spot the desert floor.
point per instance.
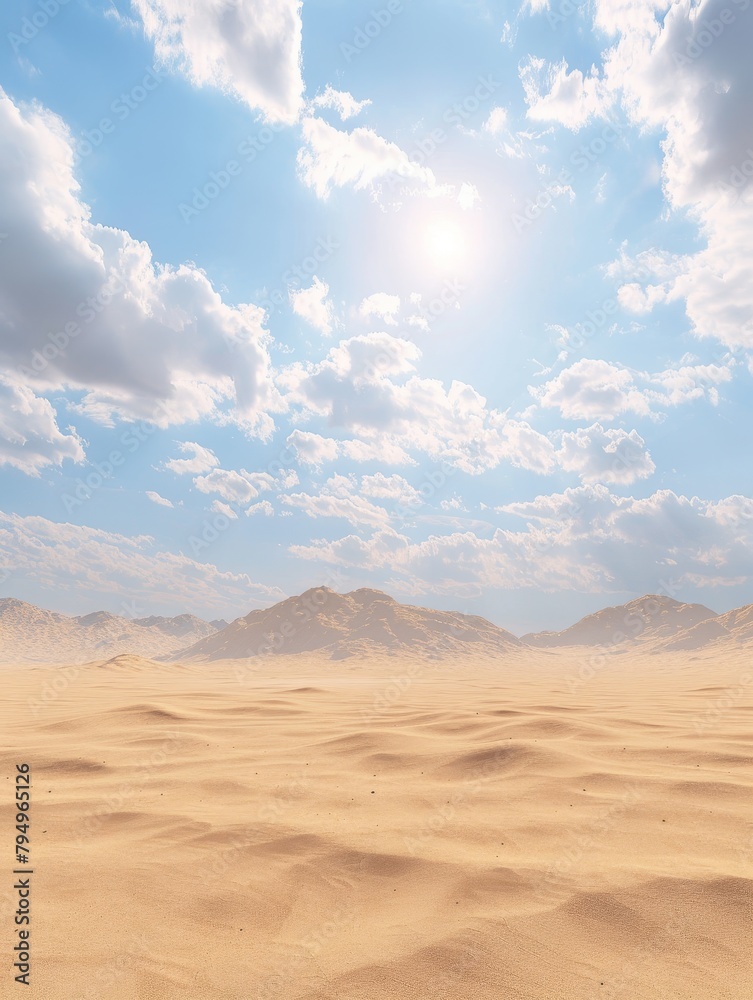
(566, 827)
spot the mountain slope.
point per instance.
(29, 634)
(645, 621)
(360, 623)
(735, 628)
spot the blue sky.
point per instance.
(452, 299)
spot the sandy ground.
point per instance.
(558, 827)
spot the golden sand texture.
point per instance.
(550, 827)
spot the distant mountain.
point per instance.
(735, 628)
(364, 622)
(645, 621)
(360, 623)
(29, 634)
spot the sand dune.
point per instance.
(347, 830)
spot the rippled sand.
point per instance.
(549, 827)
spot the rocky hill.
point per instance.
(364, 622)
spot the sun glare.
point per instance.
(445, 243)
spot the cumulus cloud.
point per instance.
(160, 500)
(264, 507)
(554, 93)
(312, 305)
(313, 449)
(250, 49)
(366, 387)
(593, 390)
(496, 120)
(383, 450)
(605, 456)
(201, 460)
(225, 509)
(682, 69)
(233, 487)
(332, 158)
(599, 390)
(120, 568)
(392, 487)
(30, 438)
(141, 341)
(585, 539)
(339, 498)
(340, 101)
(385, 307)
(240, 487)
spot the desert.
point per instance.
(512, 822)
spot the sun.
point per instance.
(445, 242)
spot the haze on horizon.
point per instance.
(337, 303)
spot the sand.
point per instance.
(553, 826)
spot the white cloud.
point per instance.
(202, 460)
(361, 388)
(356, 388)
(338, 499)
(600, 390)
(313, 449)
(585, 539)
(340, 101)
(468, 196)
(496, 121)
(605, 456)
(225, 509)
(392, 487)
(312, 305)
(554, 93)
(240, 487)
(385, 307)
(264, 507)
(234, 487)
(361, 158)
(682, 69)
(121, 568)
(156, 498)
(248, 48)
(30, 438)
(142, 341)
(593, 390)
(382, 450)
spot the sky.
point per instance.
(449, 298)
